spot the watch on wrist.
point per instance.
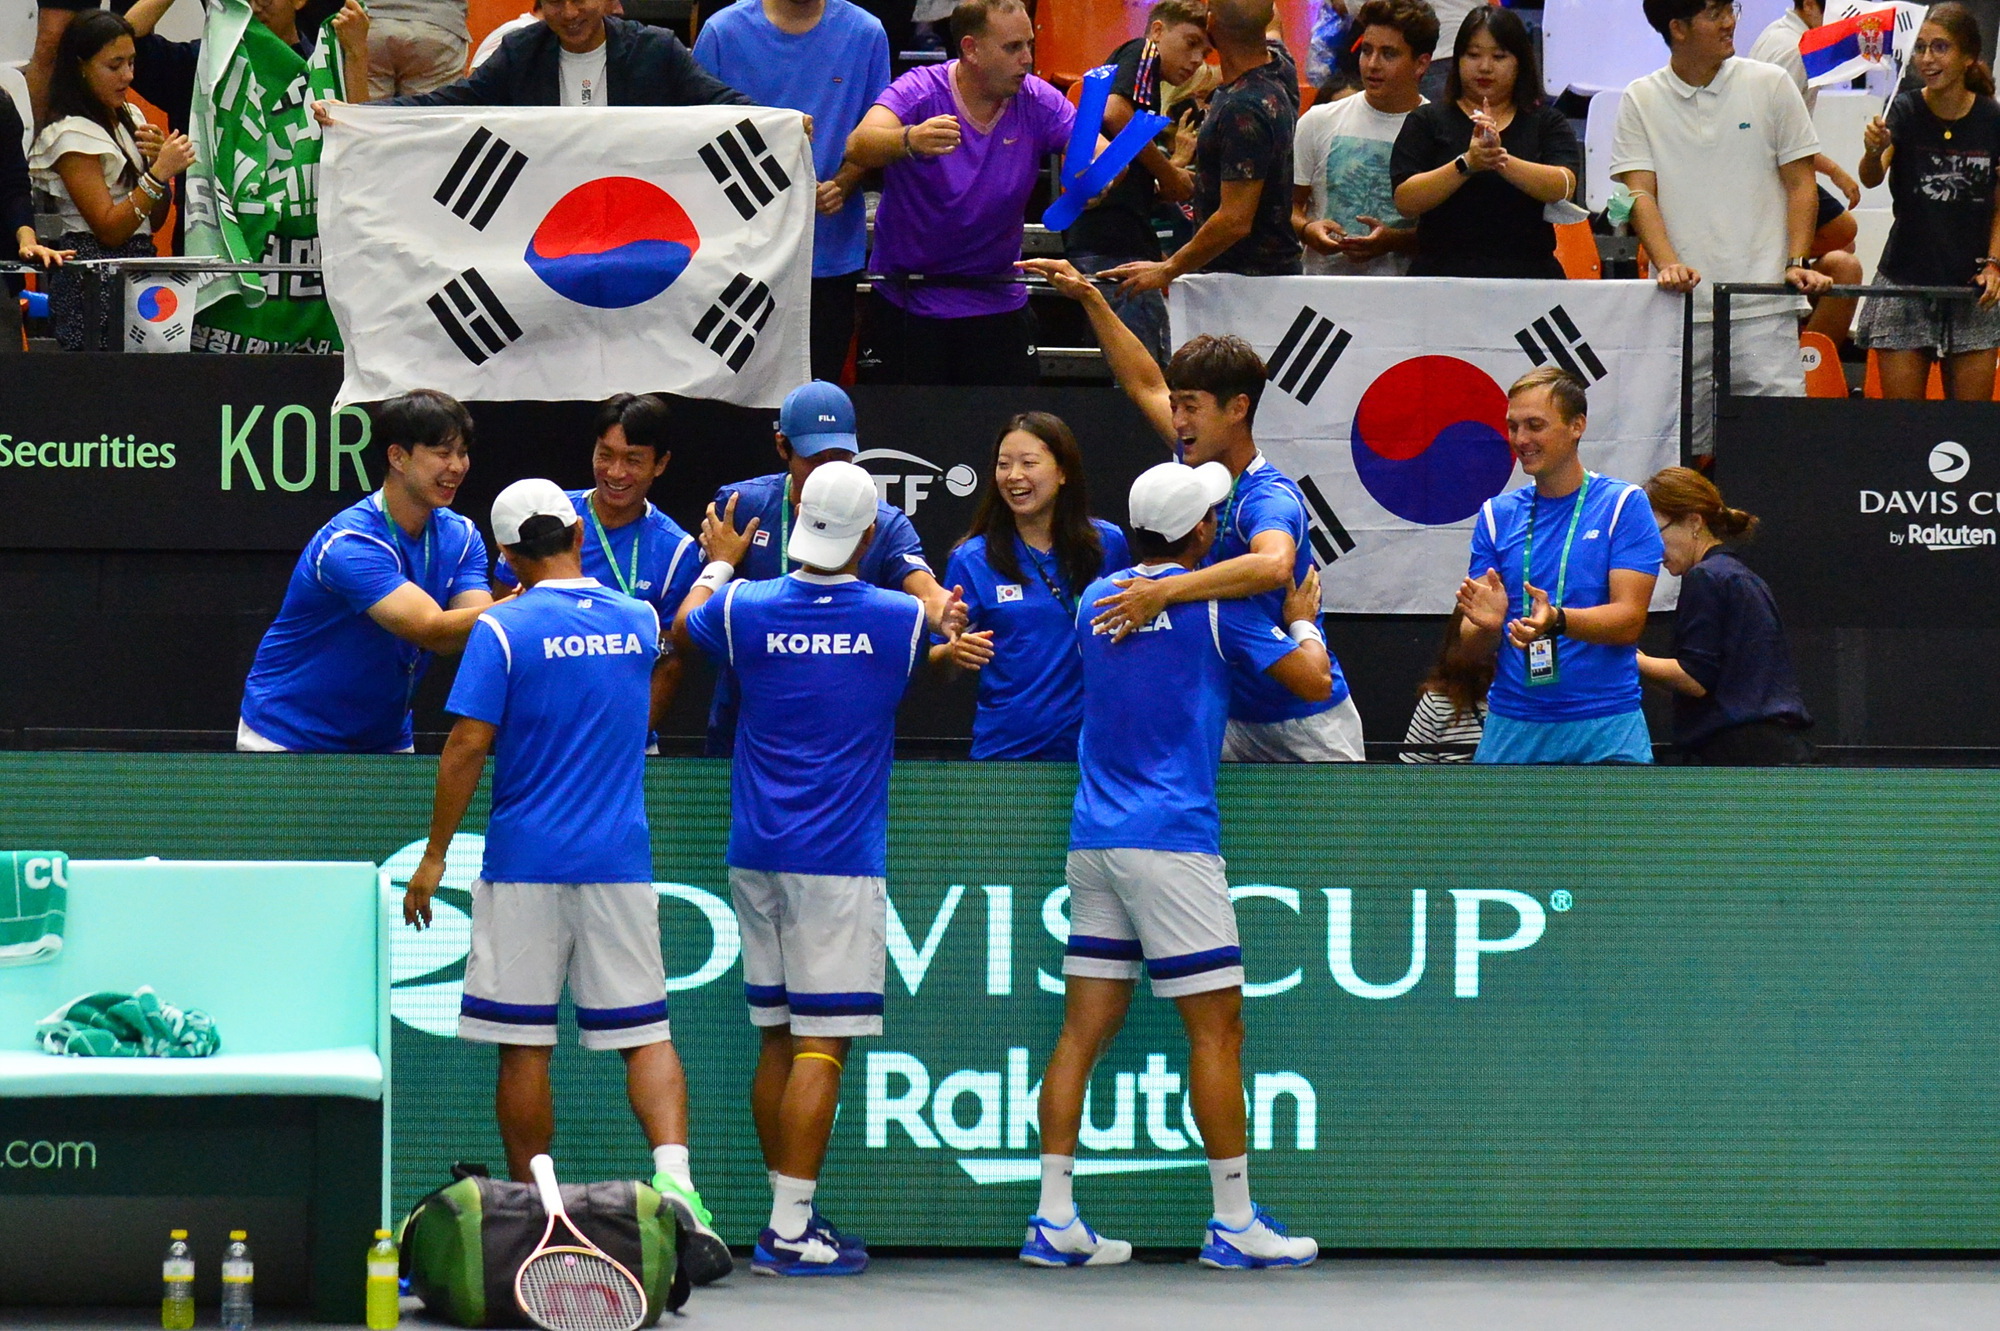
(1464, 167)
(1561, 627)
(1799, 261)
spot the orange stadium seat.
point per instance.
(1821, 362)
(1576, 250)
(1873, 385)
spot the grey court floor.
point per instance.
(1378, 1295)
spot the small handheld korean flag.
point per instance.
(159, 310)
(557, 254)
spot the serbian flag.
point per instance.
(1844, 50)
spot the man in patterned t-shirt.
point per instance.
(1243, 160)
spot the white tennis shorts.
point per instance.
(528, 938)
(1169, 909)
(814, 950)
(1332, 736)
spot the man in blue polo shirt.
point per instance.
(380, 588)
(823, 659)
(627, 542)
(1561, 575)
(556, 683)
(1205, 407)
(816, 427)
(829, 59)
(1145, 868)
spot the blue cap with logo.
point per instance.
(818, 416)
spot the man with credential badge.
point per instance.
(1566, 687)
(628, 543)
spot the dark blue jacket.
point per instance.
(1728, 637)
(643, 66)
(17, 203)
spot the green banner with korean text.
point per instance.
(1535, 1008)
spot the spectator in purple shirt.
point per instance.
(960, 145)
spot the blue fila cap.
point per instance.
(818, 416)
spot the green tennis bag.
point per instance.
(462, 1245)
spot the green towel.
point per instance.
(34, 901)
(136, 1025)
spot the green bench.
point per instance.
(283, 1133)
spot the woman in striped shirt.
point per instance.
(1451, 705)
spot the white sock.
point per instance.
(1058, 1205)
(672, 1160)
(1231, 1181)
(791, 1204)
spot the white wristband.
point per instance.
(717, 575)
(1301, 629)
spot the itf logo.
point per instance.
(613, 243)
(1430, 440)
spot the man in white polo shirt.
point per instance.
(1718, 153)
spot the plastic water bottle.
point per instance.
(177, 1272)
(384, 1284)
(237, 1274)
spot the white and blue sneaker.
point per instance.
(844, 1242)
(1074, 1244)
(813, 1253)
(1260, 1244)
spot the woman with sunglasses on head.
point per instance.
(1736, 699)
(1938, 149)
(1032, 550)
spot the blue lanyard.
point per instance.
(1058, 589)
(1528, 549)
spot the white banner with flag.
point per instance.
(1388, 405)
(549, 254)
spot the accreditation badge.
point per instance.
(1542, 661)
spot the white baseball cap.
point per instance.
(529, 499)
(1171, 499)
(836, 507)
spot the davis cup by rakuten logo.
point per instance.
(1949, 463)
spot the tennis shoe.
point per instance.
(703, 1254)
(1261, 1244)
(1074, 1244)
(844, 1242)
(813, 1253)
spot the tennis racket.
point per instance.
(571, 1285)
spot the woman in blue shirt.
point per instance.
(1736, 700)
(1032, 549)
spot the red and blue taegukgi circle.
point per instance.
(157, 304)
(613, 243)
(1430, 440)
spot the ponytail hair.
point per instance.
(1962, 27)
(1679, 491)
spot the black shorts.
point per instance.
(1830, 206)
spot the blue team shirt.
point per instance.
(327, 678)
(666, 563)
(1616, 531)
(1154, 710)
(1031, 692)
(823, 663)
(892, 556)
(833, 73)
(564, 670)
(1265, 499)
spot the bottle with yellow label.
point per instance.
(177, 1273)
(384, 1284)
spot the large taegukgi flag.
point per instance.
(550, 254)
(1388, 404)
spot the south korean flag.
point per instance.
(549, 254)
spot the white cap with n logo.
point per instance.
(836, 508)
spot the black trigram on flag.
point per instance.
(1554, 337)
(731, 325)
(1306, 354)
(745, 168)
(478, 181)
(473, 317)
(1329, 538)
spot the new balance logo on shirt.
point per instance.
(818, 644)
(591, 644)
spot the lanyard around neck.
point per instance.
(784, 525)
(625, 584)
(396, 544)
(1057, 588)
(1528, 549)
